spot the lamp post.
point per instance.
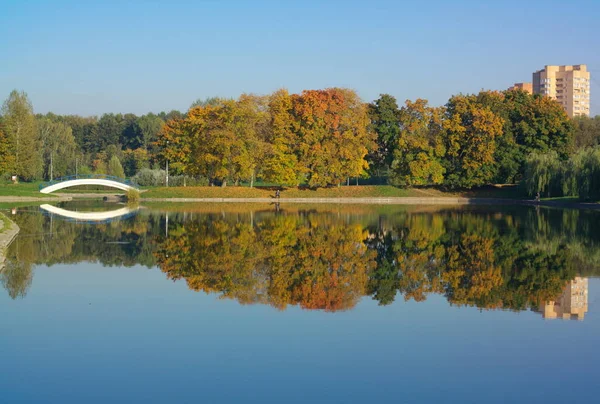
(167, 181)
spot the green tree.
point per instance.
(588, 174)
(148, 127)
(57, 147)
(542, 174)
(20, 128)
(106, 132)
(7, 158)
(385, 122)
(587, 131)
(115, 168)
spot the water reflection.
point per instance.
(571, 304)
(90, 217)
(490, 258)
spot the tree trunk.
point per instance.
(224, 184)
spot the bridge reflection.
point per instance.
(90, 217)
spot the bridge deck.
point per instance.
(95, 179)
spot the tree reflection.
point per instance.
(516, 259)
(319, 261)
(283, 260)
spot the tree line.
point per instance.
(316, 138)
(35, 146)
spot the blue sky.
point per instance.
(90, 58)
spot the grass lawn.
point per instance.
(362, 191)
(23, 189)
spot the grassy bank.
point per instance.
(30, 189)
(362, 191)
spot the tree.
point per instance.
(83, 129)
(135, 160)
(542, 174)
(281, 162)
(209, 101)
(7, 158)
(333, 135)
(586, 131)
(588, 174)
(20, 129)
(106, 132)
(384, 116)
(419, 150)
(469, 136)
(174, 144)
(148, 127)
(115, 168)
(57, 147)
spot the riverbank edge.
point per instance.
(386, 201)
(7, 234)
(400, 200)
(34, 199)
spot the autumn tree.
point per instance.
(419, 149)
(226, 139)
(469, 137)
(174, 144)
(333, 135)
(280, 164)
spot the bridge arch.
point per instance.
(91, 217)
(97, 179)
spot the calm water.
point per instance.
(262, 304)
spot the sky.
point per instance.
(90, 58)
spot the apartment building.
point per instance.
(569, 85)
(527, 87)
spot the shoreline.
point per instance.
(408, 200)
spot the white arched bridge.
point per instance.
(88, 179)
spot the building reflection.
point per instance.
(571, 304)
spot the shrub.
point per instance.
(150, 178)
(156, 178)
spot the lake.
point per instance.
(302, 303)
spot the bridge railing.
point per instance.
(89, 176)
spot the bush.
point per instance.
(133, 196)
(156, 178)
(150, 178)
(181, 180)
